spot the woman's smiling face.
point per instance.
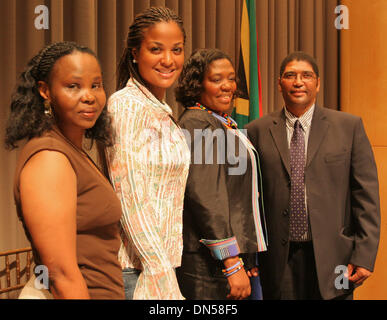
(219, 86)
(160, 58)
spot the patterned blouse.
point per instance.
(148, 165)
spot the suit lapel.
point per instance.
(318, 130)
(278, 132)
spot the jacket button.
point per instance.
(284, 241)
(286, 212)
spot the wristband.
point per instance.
(232, 272)
(233, 269)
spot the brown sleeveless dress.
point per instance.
(98, 215)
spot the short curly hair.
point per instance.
(190, 87)
(27, 119)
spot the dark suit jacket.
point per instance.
(342, 196)
(217, 205)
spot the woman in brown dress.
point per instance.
(68, 208)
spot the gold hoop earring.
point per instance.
(47, 108)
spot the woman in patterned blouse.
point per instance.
(149, 161)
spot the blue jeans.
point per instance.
(130, 276)
(256, 289)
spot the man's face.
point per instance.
(299, 85)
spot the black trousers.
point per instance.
(300, 277)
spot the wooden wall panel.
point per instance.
(363, 88)
(375, 287)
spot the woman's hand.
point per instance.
(239, 282)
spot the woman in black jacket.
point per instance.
(222, 228)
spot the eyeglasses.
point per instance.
(306, 76)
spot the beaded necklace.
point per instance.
(222, 116)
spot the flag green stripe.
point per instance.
(251, 67)
(241, 120)
(254, 85)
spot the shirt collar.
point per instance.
(305, 119)
(163, 105)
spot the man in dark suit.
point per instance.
(320, 191)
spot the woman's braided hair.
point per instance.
(143, 21)
(27, 119)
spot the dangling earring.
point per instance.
(47, 108)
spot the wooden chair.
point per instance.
(12, 261)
